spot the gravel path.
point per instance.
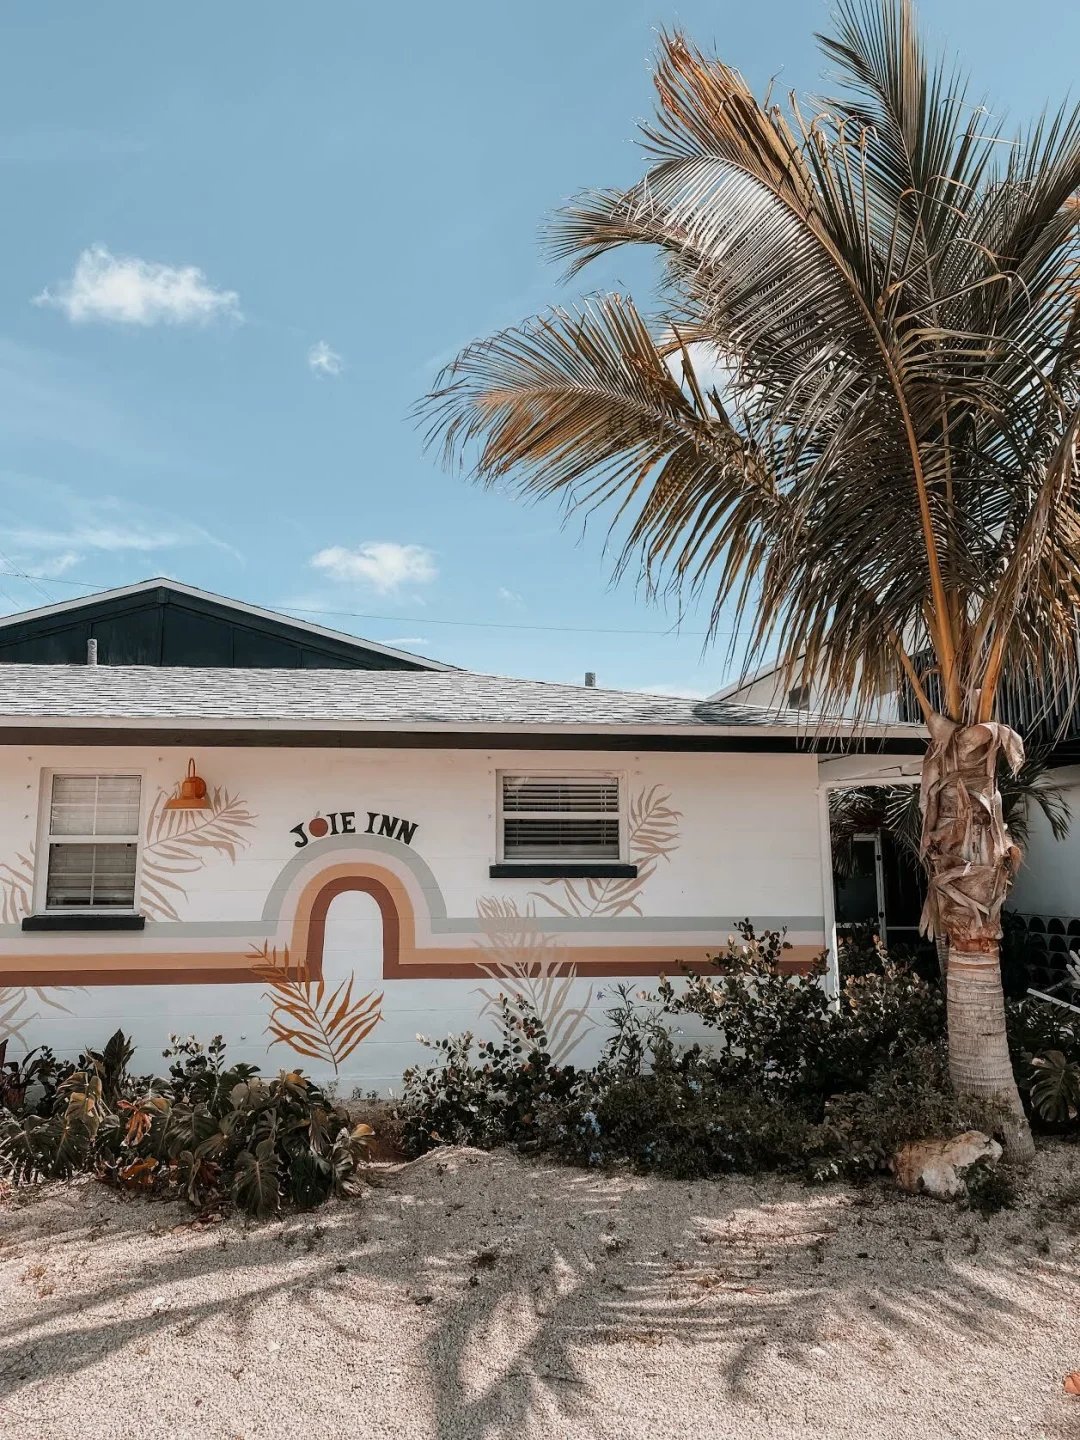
(470, 1295)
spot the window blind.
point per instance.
(93, 842)
(561, 818)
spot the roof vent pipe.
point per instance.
(91, 652)
(590, 679)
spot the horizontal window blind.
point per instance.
(93, 842)
(560, 818)
(94, 805)
(85, 877)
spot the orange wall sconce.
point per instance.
(190, 792)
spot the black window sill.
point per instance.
(58, 920)
(563, 870)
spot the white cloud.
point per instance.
(58, 528)
(130, 291)
(323, 360)
(408, 640)
(54, 564)
(509, 597)
(383, 564)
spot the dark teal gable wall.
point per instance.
(164, 627)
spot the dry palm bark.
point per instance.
(971, 860)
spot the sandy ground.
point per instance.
(470, 1295)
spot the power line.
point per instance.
(423, 620)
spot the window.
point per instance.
(561, 818)
(799, 698)
(93, 842)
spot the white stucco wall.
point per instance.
(770, 692)
(744, 840)
(1049, 879)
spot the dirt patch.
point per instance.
(469, 1295)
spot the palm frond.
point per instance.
(526, 965)
(17, 887)
(180, 842)
(652, 836)
(321, 1024)
(890, 466)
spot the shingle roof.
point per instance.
(368, 698)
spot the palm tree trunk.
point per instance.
(979, 1061)
(970, 861)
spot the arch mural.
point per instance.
(420, 941)
(238, 908)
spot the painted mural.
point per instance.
(527, 962)
(339, 938)
(179, 843)
(320, 1024)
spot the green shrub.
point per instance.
(790, 1083)
(990, 1188)
(908, 1099)
(213, 1133)
(486, 1093)
(780, 1032)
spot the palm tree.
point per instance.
(852, 423)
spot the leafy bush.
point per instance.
(781, 1032)
(908, 1099)
(790, 1083)
(490, 1097)
(989, 1188)
(211, 1132)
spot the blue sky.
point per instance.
(242, 238)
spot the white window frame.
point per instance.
(44, 836)
(562, 773)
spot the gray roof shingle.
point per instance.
(362, 698)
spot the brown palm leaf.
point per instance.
(321, 1026)
(526, 965)
(653, 825)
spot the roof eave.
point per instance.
(827, 730)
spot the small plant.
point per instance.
(213, 1133)
(1054, 1086)
(781, 1032)
(989, 1188)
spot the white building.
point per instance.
(320, 864)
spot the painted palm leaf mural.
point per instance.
(527, 966)
(653, 835)
(321, 1024)
(18, 1009)
(17, 887)
(180, 842)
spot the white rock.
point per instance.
(938, 1167)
